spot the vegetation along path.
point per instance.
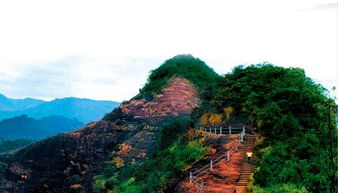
(227, 174)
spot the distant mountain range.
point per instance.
(23, 127)
(84, 110)
(7, 104)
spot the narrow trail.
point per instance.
(228, 175)
(246, 171)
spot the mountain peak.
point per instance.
(185, 66)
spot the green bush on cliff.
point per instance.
(171, 131)
(186, 66)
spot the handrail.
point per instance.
(195, 174)
(221, 130)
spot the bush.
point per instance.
(170, 131)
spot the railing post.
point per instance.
(229, 130)
(228, 156)
(190, 177)
(211, 165)
(215, 130)
(243, 130)
(221, 130)
(241, 138)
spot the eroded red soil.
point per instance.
(223, 177)
(178, 98)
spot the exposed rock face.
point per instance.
(68, 162)
(178, 98)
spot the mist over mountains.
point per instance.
(84, 110)
(8, 104)
(23, 127)
(36, 119)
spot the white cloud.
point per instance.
(110, 46)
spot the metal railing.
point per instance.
(214, 162)
(222, 130)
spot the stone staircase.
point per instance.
(246, 167)
(245, 174)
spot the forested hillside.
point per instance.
(295, 118)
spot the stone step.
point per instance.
(241, 184)
(243, 179)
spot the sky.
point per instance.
(105, 50)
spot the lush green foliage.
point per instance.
(11, 145)
(295, 116)
(178, 151)
(186, 66)
(281, 188)
(171, 131)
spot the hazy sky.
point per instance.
(105, 49)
